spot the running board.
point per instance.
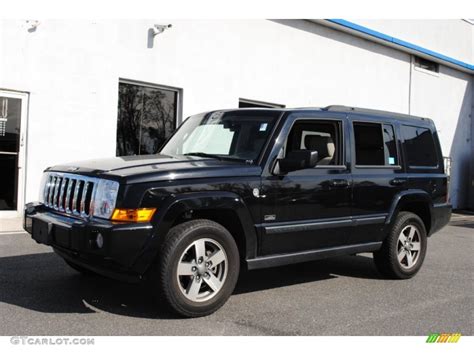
(309, 255)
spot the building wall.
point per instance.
(453, 38)
(471, 185)
(72, 68)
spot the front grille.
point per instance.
(70, 193)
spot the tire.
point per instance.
(197, 268)
(397, 260)
(80, 269)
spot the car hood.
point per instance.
(147, 168)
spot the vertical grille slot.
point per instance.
(69, 193)
(62, 191)
(57, 184)
(51, 191)
(83, 197)
(47, 190)
(76, 200)
(88, 199)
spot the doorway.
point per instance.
(13, 113)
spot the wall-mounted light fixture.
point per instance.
(32, 25)
(155, 31)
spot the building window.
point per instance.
(147, 116)
(375, 144)
(426, 64)
(245, 103)
(419, 146)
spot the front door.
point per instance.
(13, 110)
(307, 209)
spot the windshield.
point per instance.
(236, 135)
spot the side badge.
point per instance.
(269, 217)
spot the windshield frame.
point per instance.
(278, 114)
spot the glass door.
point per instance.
(12, 147)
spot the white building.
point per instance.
(60, 83)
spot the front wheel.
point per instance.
(404, 250)
(198, 267)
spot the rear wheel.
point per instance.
(403, 251)
(198, 267)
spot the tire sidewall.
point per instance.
(409, 219)
(225, 239)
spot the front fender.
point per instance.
(174, 206)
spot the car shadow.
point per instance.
(44, 283)
(358, 266)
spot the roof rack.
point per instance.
(370, 111)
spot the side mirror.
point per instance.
(298, 160)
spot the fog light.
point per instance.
(99, 241)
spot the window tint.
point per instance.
(419, 146)
(146, 118)
(322, 136)
(375, 144)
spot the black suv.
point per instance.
(249, 188)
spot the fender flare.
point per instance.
(411, 195)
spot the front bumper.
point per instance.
(76, 240)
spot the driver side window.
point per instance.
(320, 136)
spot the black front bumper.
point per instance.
(75, 239)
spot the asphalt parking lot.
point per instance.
(41, 295)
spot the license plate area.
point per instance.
(48, 233)
(41, 231)
(62, 236)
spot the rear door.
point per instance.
(377, 175)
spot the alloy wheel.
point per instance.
(202, 270)
(408, 246)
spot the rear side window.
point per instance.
(419, 146)
(375, 144)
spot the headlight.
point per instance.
(105, 198)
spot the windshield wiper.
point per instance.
(216, 156)
(205, 155)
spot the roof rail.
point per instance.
(370, 111)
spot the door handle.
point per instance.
(339, 183)
(398, 182)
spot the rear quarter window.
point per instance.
(419, 146)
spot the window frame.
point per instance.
(178, 108)
(381, 123)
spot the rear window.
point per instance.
(419, 146)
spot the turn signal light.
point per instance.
(133, 215)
